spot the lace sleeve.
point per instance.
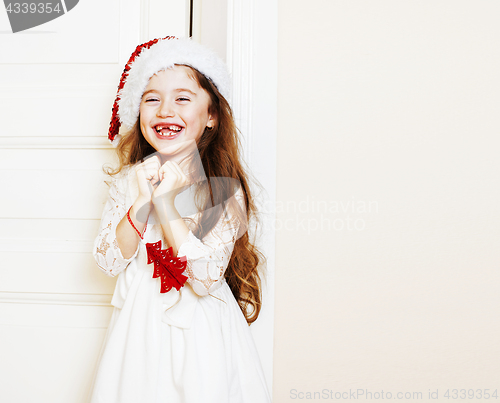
(208, 259)
(106, 252)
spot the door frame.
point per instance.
(252, 38)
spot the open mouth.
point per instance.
(168, 130)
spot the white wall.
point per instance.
(387, 109)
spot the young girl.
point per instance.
(174, 231)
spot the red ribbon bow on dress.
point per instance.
(168, 267)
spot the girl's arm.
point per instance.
(126, 236)
(106, 251)
(207, 259)
(173, 180)
(118, 242)
(174, 228)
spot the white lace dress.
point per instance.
(192, 345)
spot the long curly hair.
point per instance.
(220, 155)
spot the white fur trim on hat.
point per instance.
(160, 56)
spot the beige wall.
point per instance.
(388, 132)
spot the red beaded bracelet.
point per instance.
(132, 224)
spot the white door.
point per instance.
(57, 85)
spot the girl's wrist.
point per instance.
(142, 207)
(142, 202)
(164, 200)
(165, 208)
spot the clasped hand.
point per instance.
(160, 182)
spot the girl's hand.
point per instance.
(148, 178)
(173, 181)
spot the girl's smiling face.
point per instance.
(174, 111)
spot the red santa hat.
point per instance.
(154, 56)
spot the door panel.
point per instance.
(57, 86)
